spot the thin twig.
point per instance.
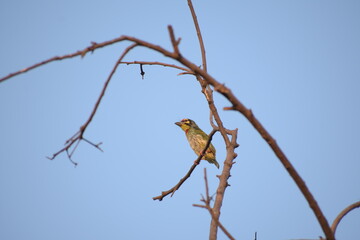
(208, 198)
(212, 121)
(188, 174)
(94, 46)
(73, 150)
(126, 51)
(160, 64)
(198, 32)
(70, 159)
(93, 144)
(80, 53)
(342, 214)
(174, 42)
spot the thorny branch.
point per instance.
(207, 201)
(188, 174)
(230, 145)
(160, 64)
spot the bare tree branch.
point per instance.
(342, 214)
(207, 201)
(78, 136)
(56, 58)
(175, 43)
(217, 221)
(192, 168)
(81, 53)
(160, 64)
(95, 46)
(230, 156)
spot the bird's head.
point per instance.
(186, 124)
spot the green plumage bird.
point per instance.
(197, 140)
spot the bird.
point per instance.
(197, 139)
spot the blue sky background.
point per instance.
(294, 63)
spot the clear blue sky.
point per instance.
(296, 64)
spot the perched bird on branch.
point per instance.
(197, 140)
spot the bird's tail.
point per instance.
(213, 161)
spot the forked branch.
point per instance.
(79, 136)
(207, 200)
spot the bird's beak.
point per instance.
(178, 123)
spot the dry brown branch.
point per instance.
(207, 201)
(188, 174)
(92, 48)
(81, 53)
(160, 64)
(78, 136)
(230, 156)
(342, 214)
(56, 58)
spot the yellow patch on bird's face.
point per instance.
(184, 124)
(185, 127)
